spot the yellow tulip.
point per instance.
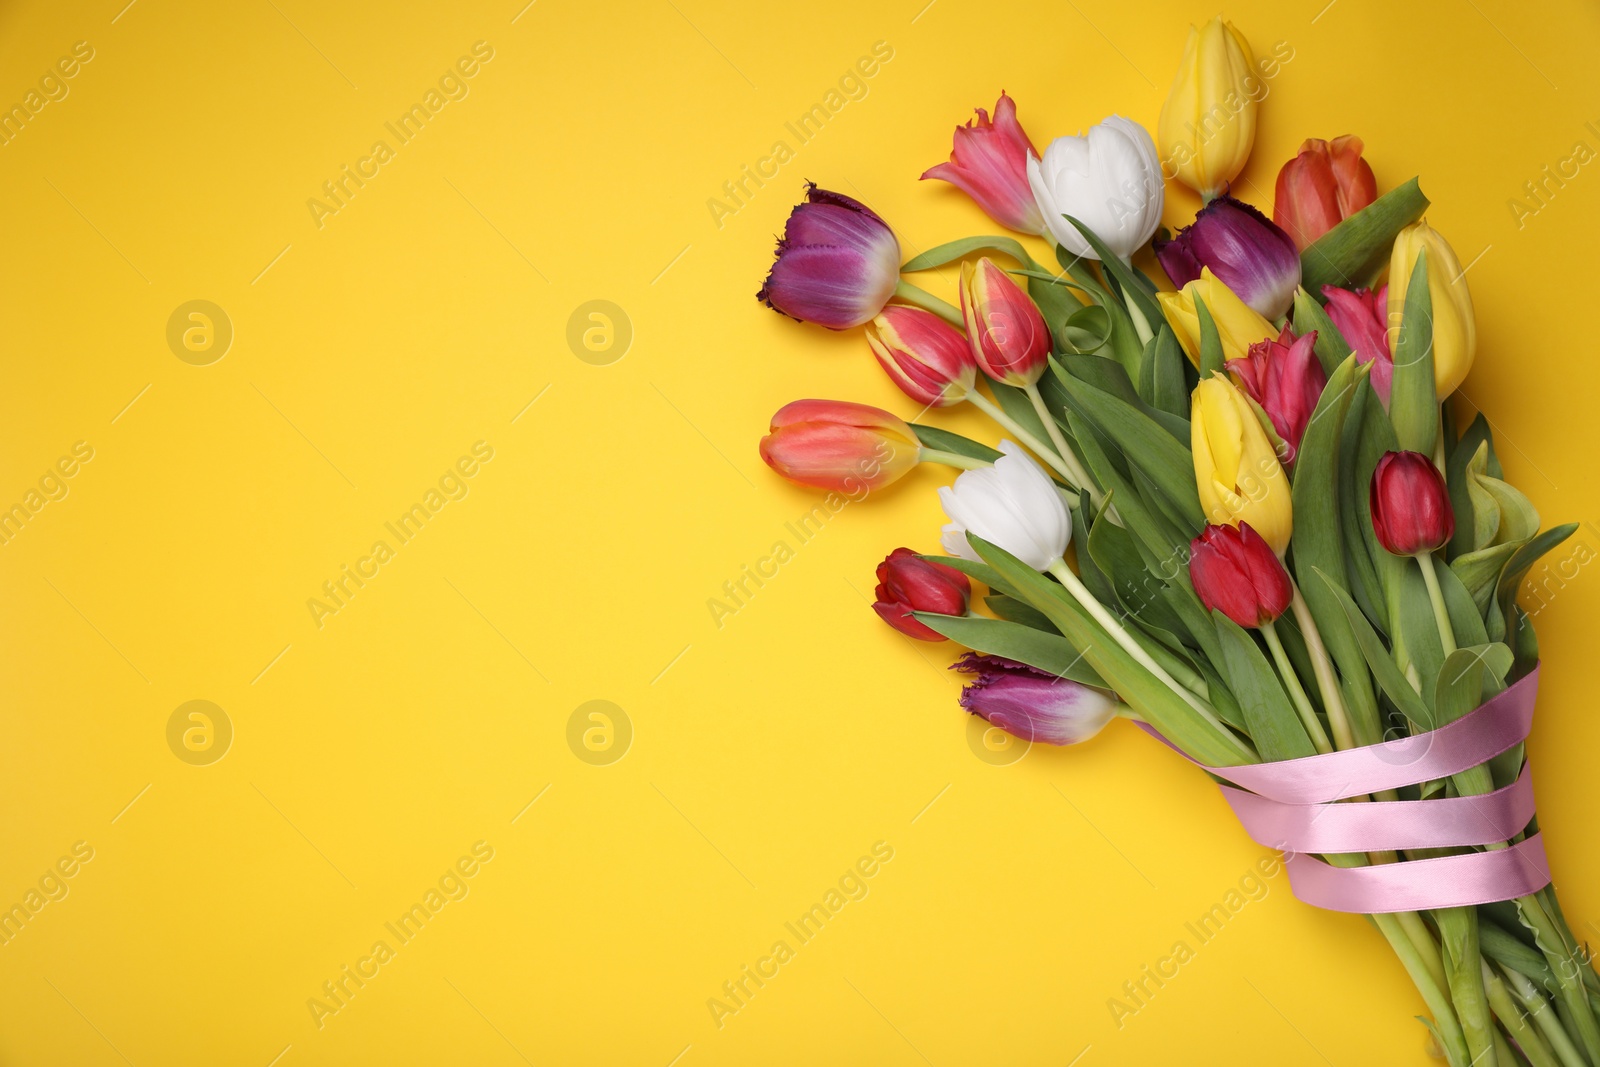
(1238, 324)
(1235, 467)
(1208, 123)
(1455, 329)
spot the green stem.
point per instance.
(1327, 679)
(1463, 969)
(1441, 614)
(1033, 444)
(1070, 458)
(1297, 693)
(920, 297)
(1549, 1023)
(1119, 634)
(1433, 995)
(1140, 324)
(952, 459)
(1562, 955)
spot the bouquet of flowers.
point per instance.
(1236, 511)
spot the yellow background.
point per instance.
(769, 753)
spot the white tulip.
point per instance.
(1013, 504)
(1109, 180)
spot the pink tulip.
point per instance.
(925, 356)
(989, 162)
(1362, 317)
(1286, 379)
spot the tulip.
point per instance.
(1286, 379)
(1362, 317)
(1235, 572)
(1238, 324)
(1007, 334)
(1321, 187)
(1208, 123)
(837, 264)
(1411, 511)
(907, 583)
(1109, 180)
(1236, 470)
(836, 445)
(1032, 704)
(1455, 329)
(989, 162)
(1247, 253)
(1012, 504)
(924, 355)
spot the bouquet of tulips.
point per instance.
(1235, 510)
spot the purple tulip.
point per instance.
(837, 264)
(1247, 252)
(1032, 704)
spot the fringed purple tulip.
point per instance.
(836, 265)
(1245, 250)
(1031, 704)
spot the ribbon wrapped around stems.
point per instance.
(1294, 806)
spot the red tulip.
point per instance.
(1008, 335)
(833, 444)
(1321, 187)
(1235, 571)
(907, 583)
(1286, 379)
(1363, 319)
(1411, 511)
(989, 162)
(925, 356)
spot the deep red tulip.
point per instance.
(907, 583)
(989, 162)
(1235, 572)
(1410, 505)
(1286, 379)
(1321, 187)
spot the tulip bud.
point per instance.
(1236, 470)
(836, 445)
(1247, 253)
(1321, 187)
(1007, 334)
(1235, 572)
(1362, 317)
(1410, 505)
(1208, 123)
(1032, 704)
(1012, 504)
(1238, 324)
(907, 583)
(925, 356)
(1455, 329)
(1108, 179)
(1286, 379)
(989, 162)
(837, 264)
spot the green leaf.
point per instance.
(1354, 253)
(1413, 405)
(1415, 629)
(1110, 377)
(1127, 278)
(1211, 356)
(1158, 705)
(1269, 718)
(1049, 652)
(1524, 559)
(945, 441)
(1116, 554)
(1479, 573)
(1377, 437)
(1362, 576)
(1331, 347)
(1171, 392)
(1015, 403)
(954, 250)
(1466, 618)
(1389, 678)
(1318, 543)
(1166, 461)
(1457, 689)
(1019, 611)
(1087, 330)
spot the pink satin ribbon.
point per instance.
(1292, 805)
